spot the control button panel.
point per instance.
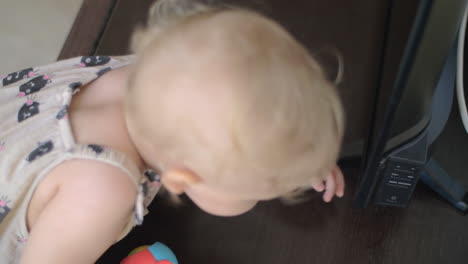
(397, 184)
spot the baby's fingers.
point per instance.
(340, 182)
(319, 187)
(330, 188)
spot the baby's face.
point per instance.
(223, 194)
(217, 201)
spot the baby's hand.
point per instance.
(333, 184)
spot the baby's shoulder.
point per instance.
(96, 176)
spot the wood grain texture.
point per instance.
(126, 16)
(87, 29)
(429, 231)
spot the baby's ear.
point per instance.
(142, 37)
(177, 180)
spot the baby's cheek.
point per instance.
(233, 209)
(216, 204)
(245, 207)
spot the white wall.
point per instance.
(32, 32)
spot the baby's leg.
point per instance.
(93, 203)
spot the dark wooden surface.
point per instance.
(429, 231)
(89, 25)
(127, 15)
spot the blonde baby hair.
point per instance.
(287, 124)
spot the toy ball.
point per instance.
(158, 253)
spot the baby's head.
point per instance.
(231, 109)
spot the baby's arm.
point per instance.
(89, 210)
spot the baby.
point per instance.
(223, 104)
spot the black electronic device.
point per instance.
(415, 112)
